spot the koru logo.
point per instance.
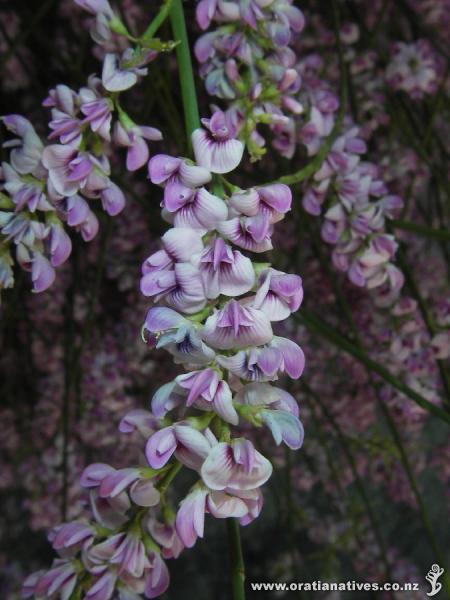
(432, 577)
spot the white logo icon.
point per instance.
(432, 577)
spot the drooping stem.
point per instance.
(422, 230)
(237, 565)
(192, 121)
(188, 93)
(158, 20)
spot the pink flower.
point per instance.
(138, 420)
(181, 288)
(122, 73)
(97, 112)
(250, 233)
(125, 550)
(266, 363)
(191, 446)
(26, 153)
(163, 169)
(68, 169)
(214, 148)
(208, 392)
(70, 537)
(157, 579)
(165, 534)
(61, 579)
(60, 245)
(24, 193)
(235, 466)
(236, 326)
(42, 273)
(190, 520)
(197, 209)
(225, 271)
(113, 199)
(279, 294)
(102, 588)
(180, 244)
(273, 201)
(134, 138)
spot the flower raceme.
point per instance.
(215, 312)
(46, 189)
(248, 62)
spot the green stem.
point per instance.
(430, 232)
(157, 21)
(169, 477)
(189, 95)
(316, 324)
(237, 565)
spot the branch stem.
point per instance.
(236, 559)
(187, 83)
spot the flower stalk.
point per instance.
(189, 95)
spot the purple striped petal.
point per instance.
(225, 271)
(222, 470)
(224, 506)
(250, 233)
(214, 155)
(236, 326)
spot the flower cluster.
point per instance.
(351, 190)
(414, 68)
(355, 203)
(214, 316)
(247, 62)
(50, 187)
